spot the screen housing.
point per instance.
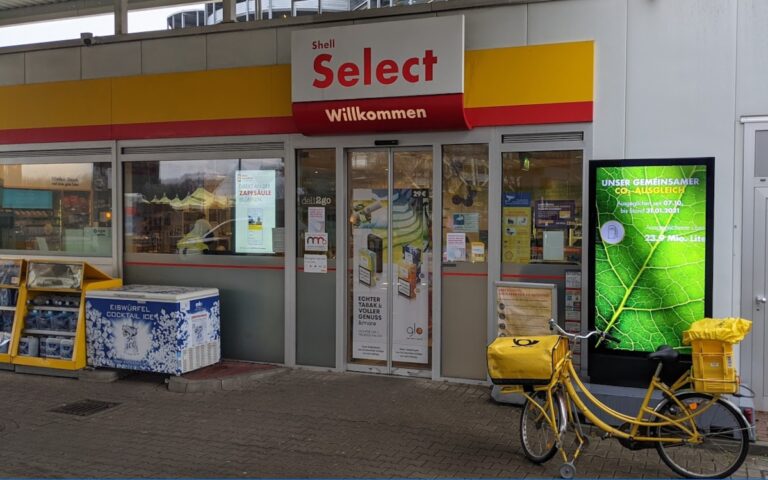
(627, 368)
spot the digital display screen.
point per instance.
(255, 205)
(651, 227)
(29, 199)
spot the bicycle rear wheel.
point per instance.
(724, 443)
(536, 435)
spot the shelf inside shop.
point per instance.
(7, 309)
(59, 333)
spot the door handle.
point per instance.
(760, 299)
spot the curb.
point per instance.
(758, 448)
(236, 382)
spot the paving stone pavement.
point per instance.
(297, 423)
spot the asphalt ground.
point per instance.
(288, 423)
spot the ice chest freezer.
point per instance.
(153, 328)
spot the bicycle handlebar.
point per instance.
(603, 335)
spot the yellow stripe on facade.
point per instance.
(252, 92)
(60, 104)
(530, 75)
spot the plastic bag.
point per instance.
(729, 330)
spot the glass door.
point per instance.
(390, 251)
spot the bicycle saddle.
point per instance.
(664, 353)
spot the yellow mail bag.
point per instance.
(525, 360)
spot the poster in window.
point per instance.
(411, 257)
(255, 211)
(370, 222)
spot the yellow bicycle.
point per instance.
(698, 435)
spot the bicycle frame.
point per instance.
(565, 377)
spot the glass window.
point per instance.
(211, 207)
(316, 197)
(62, 207)
(465, 203)
(541, 207)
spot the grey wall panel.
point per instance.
(252, 306)
(112, 60)
(493, 27)
(603, 21)
(241, 49)
(12, 69)
(316, 319)
(53, 65)
(464, 329)
(181, 54)
(681, 100)
(752, 75)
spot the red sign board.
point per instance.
(398, 114)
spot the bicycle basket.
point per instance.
(712, 343)
(525, 360)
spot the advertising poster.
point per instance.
(650, 224)
(524, 309)
(411, 258)
(370, 271)
(315, 263)
(466, 222)
(516, 235)
(573, 308)
(554, 213)
(316, 219)
(411, 255)
(255, 195)
(315, 242)
(456, 247)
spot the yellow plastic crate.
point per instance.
(713, 369)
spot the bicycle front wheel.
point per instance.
(724, 436)
(538, 438)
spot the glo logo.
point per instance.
(524, 342)
(413, 330)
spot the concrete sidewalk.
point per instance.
(293, 423)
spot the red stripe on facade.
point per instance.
(530, 114)
(476, 117)
(537, 277)
(203, 128)
(56, 134)
(193, 128)
(205, 265)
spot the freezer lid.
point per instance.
(165, 293)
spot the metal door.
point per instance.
(760, 289)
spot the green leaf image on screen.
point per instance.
(650, 253)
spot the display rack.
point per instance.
(13, 293)
(49, 327)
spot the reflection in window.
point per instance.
(542, 207)
(316, 194)
(64, 207)
(210, 207)
(465, 202)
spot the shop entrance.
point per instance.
(389, 238)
